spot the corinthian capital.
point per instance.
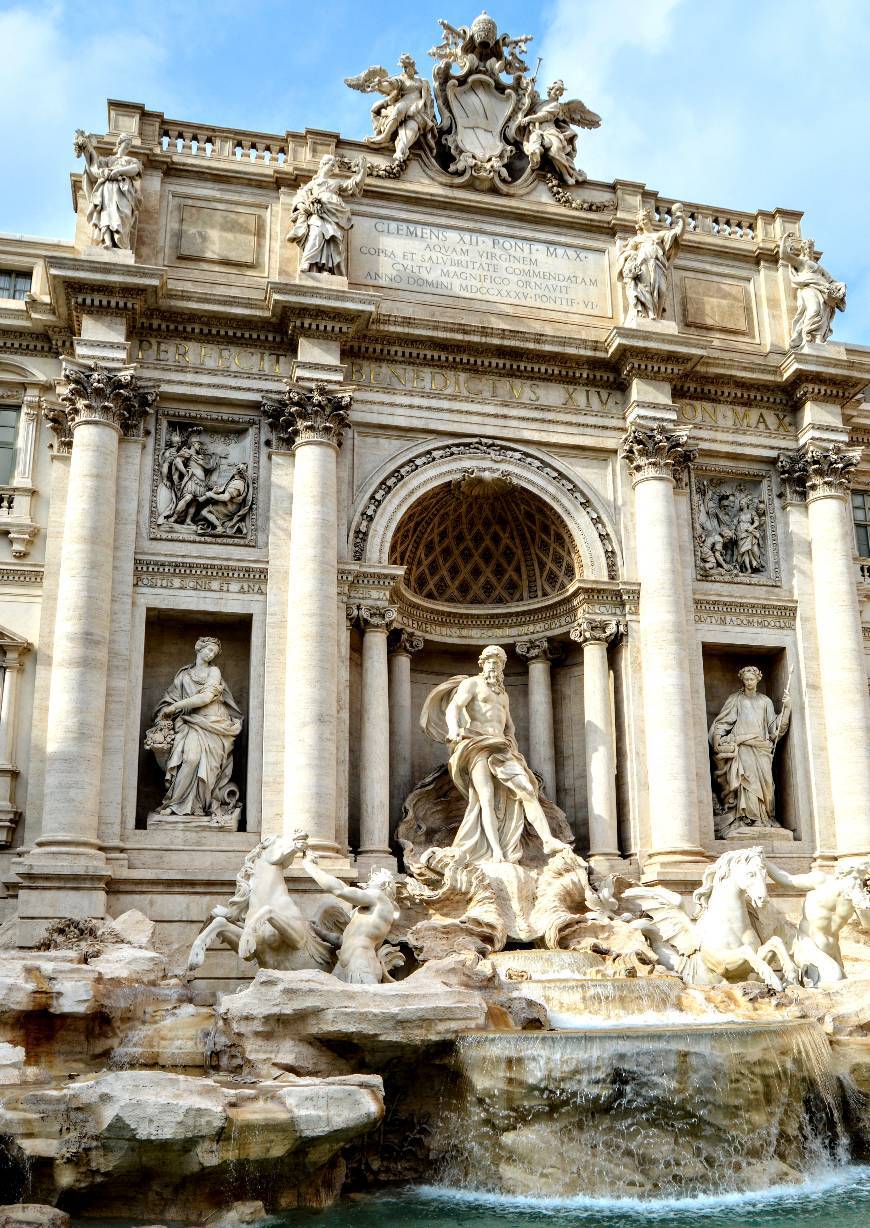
(98, 394)
(597, 631)
(376, 617)
(309, 415)
(656, 452)
(538, 650)
(829, 470)
(408, 642)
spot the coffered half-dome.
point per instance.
(483, 540)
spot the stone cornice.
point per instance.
(700, 386)
(652, 353)
(102, 287)
(824, 373)
(320, 308)
(733, 611)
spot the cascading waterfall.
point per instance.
(645, 1112)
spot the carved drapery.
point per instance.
(309, 415)
(656, 452)
(96, 394)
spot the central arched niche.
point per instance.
(483, 540)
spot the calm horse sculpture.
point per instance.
(715, 939)
(261, 921)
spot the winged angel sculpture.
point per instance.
(492, 124)
(715, 938)
(405, 114)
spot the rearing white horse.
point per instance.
(713, 939)
(261, 921)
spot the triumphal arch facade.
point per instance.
(297, 425)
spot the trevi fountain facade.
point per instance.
(435, 606)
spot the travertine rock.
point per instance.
(32, 1215)
(134, 928)
(279, 1018)
(190, 1144)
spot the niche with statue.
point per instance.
(193, 744)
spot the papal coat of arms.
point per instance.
(491, 126)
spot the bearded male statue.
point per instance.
(472, 716)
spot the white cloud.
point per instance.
(56, 77)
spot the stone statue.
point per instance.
(743, 738)
(730, 529)
(643, 262)
(261, 921)
(113, 190)
(472, 716)
(550, 131)
(364, 955)
(818, 295)
(831, 901)
(406, 114)
(196, 724)
(321, 219)
(714, 939)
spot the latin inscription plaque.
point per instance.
(471, 264)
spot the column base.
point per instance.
(679, 868)
(55, 886)
(371, 859)
(608, 862)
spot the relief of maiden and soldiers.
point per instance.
(204, 482)
(733, 527)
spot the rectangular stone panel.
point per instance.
(482, 266)
(215, 234)
(715, 304)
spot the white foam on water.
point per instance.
(800, 1196)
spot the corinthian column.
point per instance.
(594, 635)
(99, 406)
(656, 458)
(312, 421)
(402, 647)
(825, 473)
(542, 746)
(374, 750)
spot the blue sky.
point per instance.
(742, 106)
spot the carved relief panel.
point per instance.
(204, 483)
(734, 525)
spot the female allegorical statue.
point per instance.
(743, 738)
(321, 219)
(196, 724)
(643, 261)
(112, 187)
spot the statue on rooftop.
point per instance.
(743, 738)
(818, 295)
(321, 218)
(113, 190)
(472, 715)
(550, 132)
(405, 114)
(643, 263)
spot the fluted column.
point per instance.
(595, 635)
(542, 747)
(99, 406)
(374, 750)
(825, 474)
(403, 644)
(12, 666)
(656, 458)
(312, 421)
